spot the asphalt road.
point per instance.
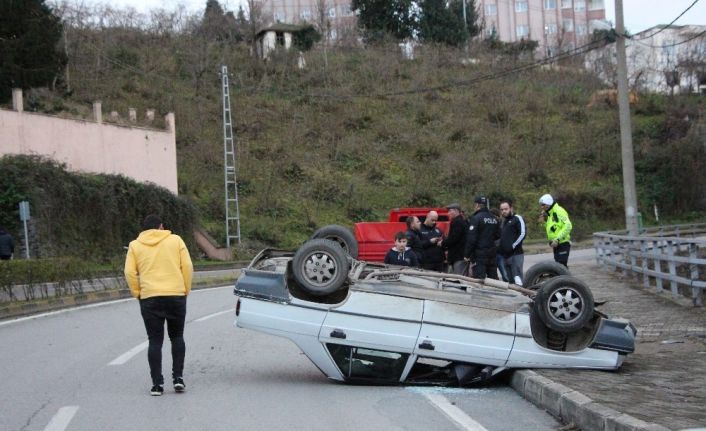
(86, 369)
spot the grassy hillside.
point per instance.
(359, 131)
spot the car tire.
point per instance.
(543, 271)
(340, 235)
(320, 267)
(564, 303)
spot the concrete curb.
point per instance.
(14, 309)
(572, 407)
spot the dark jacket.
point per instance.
(483, 230)
(7, 245)
(404, 258)
(414, 241)
(455, 243)
(432, 252)
(511, 236)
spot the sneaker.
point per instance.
(179, 385)
(156, 390)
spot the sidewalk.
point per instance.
(663, 382)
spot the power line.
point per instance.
(670, 24)
(696, 36)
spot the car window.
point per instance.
(359, 363)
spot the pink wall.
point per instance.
(145, 155)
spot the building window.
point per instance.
(345, 9)
(521, 6)
(550, 28)
(549, 4)
(579, 5)
(332, 12)
(581, 29)
(334, 34)
(305, 14)
(279, 16)
(279, 38)
(568, 25)
(491, 9)
(596, 4)
(566, 4)
(522, 31)
(491, 33)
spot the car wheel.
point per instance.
(564, 303)
(543, 271)
(320, 267)
(340, 235)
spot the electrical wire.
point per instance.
(670, 24)
(696, 36)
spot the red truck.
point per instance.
(370, 241)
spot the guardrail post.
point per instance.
(696, 292)
(598, 248)
(624, 250)
(633, 259)
(672, 267)
(643, 258)
(656, 250)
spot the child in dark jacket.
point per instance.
(400, 254)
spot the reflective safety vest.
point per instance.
(558, 225)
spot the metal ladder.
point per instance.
(231, 184)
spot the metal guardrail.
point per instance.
(668, 254)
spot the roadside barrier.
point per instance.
(674, 255)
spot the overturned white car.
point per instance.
(371, 323)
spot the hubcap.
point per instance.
(319, 268)
(565, 304)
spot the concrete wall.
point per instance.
(145, 155)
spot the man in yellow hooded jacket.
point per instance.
(558, 227)
(158, 270)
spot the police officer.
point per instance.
(483, 231)
(558, 227)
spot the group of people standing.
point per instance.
(483, 244)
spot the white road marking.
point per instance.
(66, 310)
(98, 304)
(453, 412)
(61, 419)
(201, 319)
(129, 354)
(120, 360)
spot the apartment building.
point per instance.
(558, 25)
(663, 59)
(337, 15)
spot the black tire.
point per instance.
(320, 267)
(340, 235)
(542, 272)
(564, 303)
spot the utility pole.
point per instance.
(625, 126)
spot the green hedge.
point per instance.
(88, 216)
(71, 275)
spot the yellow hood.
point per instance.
(153, 236)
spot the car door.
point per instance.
(372, 335)
(465, 333)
